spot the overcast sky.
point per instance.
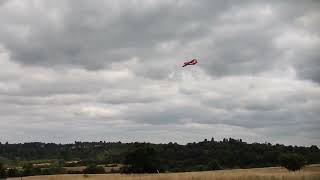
(111, 70)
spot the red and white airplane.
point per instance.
(192, 62)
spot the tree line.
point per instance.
(168, 157)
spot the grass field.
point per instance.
(275, 173)
(81, 168)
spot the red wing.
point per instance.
(192, 62)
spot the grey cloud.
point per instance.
(92, 35)
(86, 70)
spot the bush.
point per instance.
(292, 162)
(3, 173)
(36, 171)
(53, 170)
(45, 171)
(27, 172)
(32, 171)
(214, 165)
(74, 172)
(114, 170)
(94, 169)
(142, 159)
(13, 172)
(199, 168)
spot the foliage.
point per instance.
(214, 165)
(172, 157)
(94, 169)
(3, 173)
(142, 159)
(32, 171)
(292, 162)
(13, 172)
(53, 170)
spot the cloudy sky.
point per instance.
(111, 70)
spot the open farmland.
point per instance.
(308, 173)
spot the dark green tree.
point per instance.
(142, 159)
(292, 162)
(94, 169)
(3, 173)
(13, 172)
(27, 169)
(214, 165)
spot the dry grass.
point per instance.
(276, 173)
(81, 168)
(41, 164)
